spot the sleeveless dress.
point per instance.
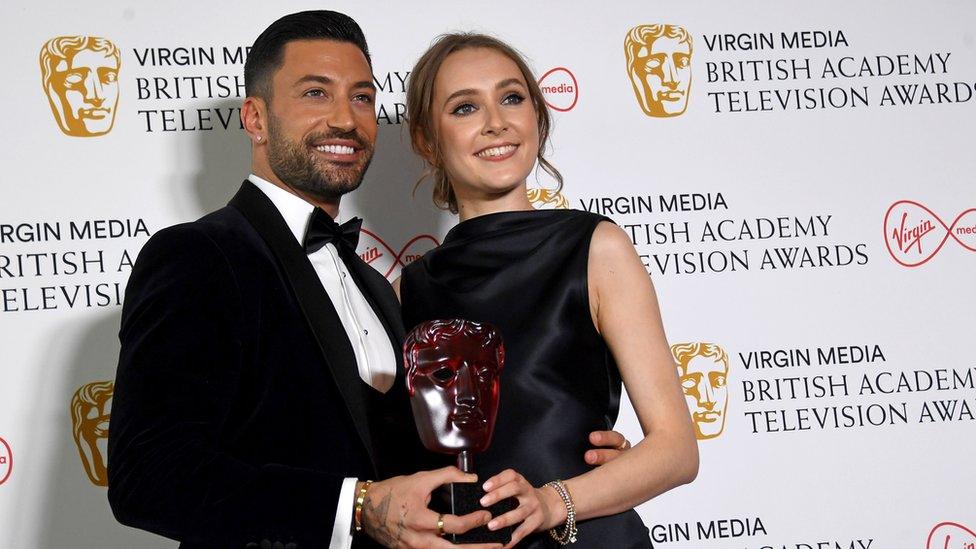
(525, 273)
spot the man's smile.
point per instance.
(338, 150)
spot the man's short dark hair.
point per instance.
(266, 54)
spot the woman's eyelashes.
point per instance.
(466, 108)
(463, 109)
(513, 98)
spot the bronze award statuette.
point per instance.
(453, 368)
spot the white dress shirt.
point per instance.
(374, 351)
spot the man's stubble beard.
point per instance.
(296, 166)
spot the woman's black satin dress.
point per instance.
(525, 273)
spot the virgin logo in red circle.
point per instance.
(386, 259)
(914, 234)
(560, 89)
(951, 535)
(6, 461)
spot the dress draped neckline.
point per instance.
(478, 247)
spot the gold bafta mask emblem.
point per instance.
(659, 67)
(90, 412)
(80, 75)
(547, 199)
(702, 370)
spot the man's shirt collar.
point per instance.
(293, 208)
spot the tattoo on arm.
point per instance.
(401, 522)
(375, 520)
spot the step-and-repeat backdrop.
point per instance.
(797, 178)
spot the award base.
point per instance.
(461, 498)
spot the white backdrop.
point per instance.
(829, 215)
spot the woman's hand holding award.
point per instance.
(453, 368)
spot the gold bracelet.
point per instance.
(569, 533)
(358, 514)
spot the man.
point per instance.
(250, 404)
(80, 77)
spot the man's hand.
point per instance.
(609, 445)
(395, 512)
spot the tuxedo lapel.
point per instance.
(315, 304)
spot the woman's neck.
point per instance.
(513, 200)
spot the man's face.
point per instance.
(663, 70)
(321, 118)
(454, 393)
(87, 91)
(703, 382)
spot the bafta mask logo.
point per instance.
(702, 370)
(6, 461)
(547, 199)
(90, 413)
(80, 75)
(659, 66)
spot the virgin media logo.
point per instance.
(388, 260)
(950, 535)
(560, 89)
(6, 461)
(914, 234)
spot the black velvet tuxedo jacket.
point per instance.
(238, 406)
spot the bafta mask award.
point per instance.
(453, 369)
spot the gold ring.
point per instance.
(440, 525)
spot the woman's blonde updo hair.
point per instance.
(420, 97)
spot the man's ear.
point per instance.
(254, 116)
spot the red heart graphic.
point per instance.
(397, 259)
(951, 535)
(907, 223)
(7, 463)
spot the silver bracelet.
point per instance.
(568, 535)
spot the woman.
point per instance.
(566, 289)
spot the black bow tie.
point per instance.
(322, 230)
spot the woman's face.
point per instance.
(484, 122)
